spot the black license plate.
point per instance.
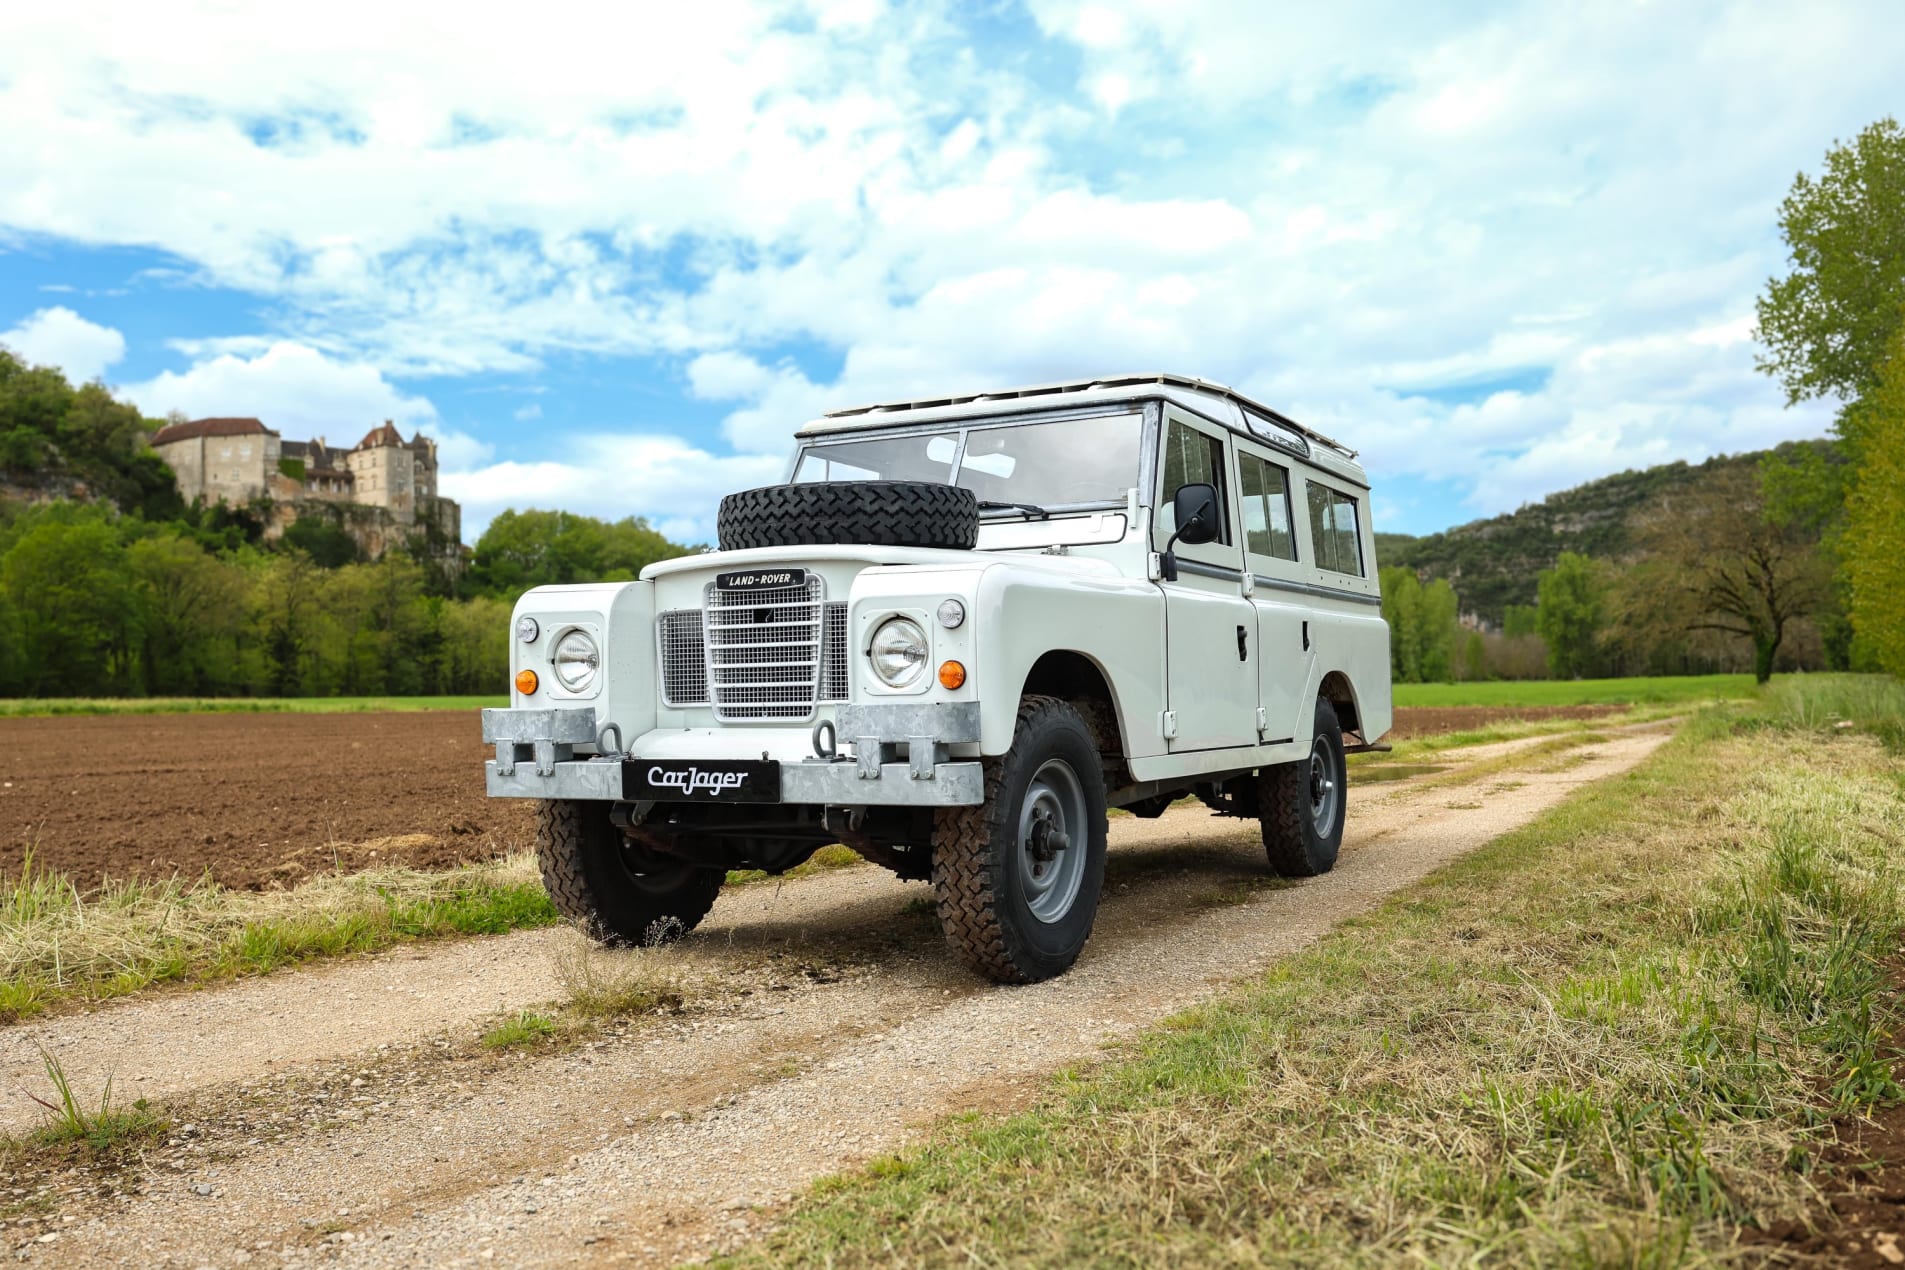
(759, 579)
(699, 781)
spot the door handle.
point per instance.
(1306, 637)
(1243, 644)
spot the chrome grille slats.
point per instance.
(763, 650)
(682, 639)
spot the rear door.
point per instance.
(1210, 627)
(1285, 638)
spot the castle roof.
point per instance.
(209, 428)
(387, 434)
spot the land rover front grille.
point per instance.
(762, 659)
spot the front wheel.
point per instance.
(1302, 805)
(1017, 878)
(604, 887)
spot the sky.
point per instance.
(611, 256)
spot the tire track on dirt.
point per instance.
(656, 1146)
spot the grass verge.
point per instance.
(1670, 690)
(58, 944)
(1614, 1036)
(18, 707)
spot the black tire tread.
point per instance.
(968, 892)
(569, 841)
(1283, 811)
(850, 513)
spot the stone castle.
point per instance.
(383, 490)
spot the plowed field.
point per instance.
(258, 799)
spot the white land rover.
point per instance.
(962, 630)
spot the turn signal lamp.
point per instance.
(951, 674)
(526, 682)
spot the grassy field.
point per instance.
(1614, 1037)
(17, 707)
(1581, 692)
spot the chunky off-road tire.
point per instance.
(587, 870)
(1008, 913)
(1303, 804)
(855, 513)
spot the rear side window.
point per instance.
(1192, 458)
(1334, 530)
(1266, 508)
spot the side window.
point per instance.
(1334, 531)
(1266, 507)
(1191, 458)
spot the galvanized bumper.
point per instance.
(535, 757)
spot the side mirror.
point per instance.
(1194, 508)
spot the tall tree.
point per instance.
(1829, 324)
(1569, 610)
(1874, 541)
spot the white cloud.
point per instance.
(663, 478)
(528, 413)
(60, 337)
(1332, 206)
(294, 389)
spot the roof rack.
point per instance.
(1107, 381)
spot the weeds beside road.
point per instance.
(1617, 1035)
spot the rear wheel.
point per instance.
(615, 893)
(1302, 805)
(1017, 878)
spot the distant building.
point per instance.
(241, 461)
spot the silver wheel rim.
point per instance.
(1051, 840)
(1325, 791)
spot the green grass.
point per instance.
(20, 707)
(525, 1027)
(68, 1120)
(1613, 1036)
(1581, 692)
(832, 857)
(58, 944)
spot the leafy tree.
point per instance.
(1569, 612)
(1518, 620)
(521, 550)
(328, 544)
(1422, 626)
(73, 609)
(1874, 541)
(1829, 324)
(1740, 572)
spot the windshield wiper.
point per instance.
(1032, 510)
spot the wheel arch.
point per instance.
(1078, 678)
(1340, 693)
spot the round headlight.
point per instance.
(576, 660)
(951, 614)
(899, 652)
(527, 630)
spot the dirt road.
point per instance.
(343, 1114)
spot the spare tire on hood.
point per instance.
(851, 513)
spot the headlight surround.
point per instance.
(899, 652)
(575, 661)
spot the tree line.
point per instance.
(110, 585)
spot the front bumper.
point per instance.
(535, 756)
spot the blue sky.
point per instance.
(612, 256)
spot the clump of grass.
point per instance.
(525, 1027)
(1874, 704)
(59, 943)
(604, 983)
(829, 857)
(69, 1120)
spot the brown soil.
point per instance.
(260, 799)
(254, 799)
(1418, 721)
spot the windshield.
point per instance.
(1064, 463)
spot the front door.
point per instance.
(1210, 627)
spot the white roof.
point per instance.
(1216, 400)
